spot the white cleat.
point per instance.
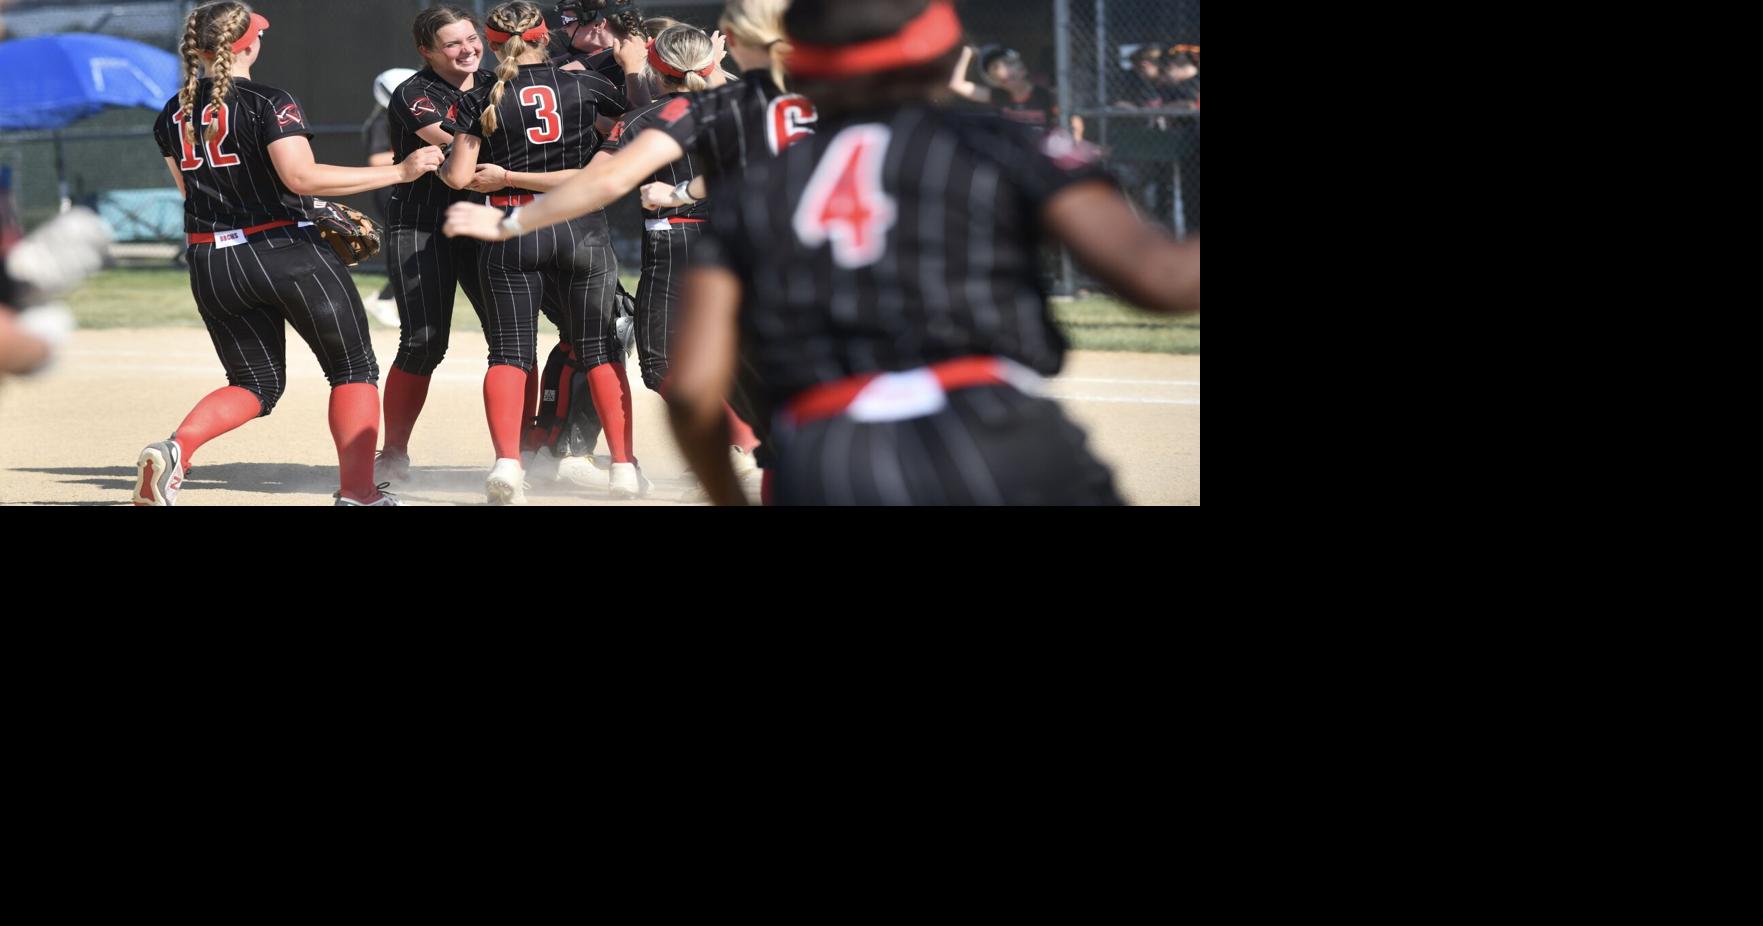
(385, 500)
(391, 466)
(506, 484)
(742, 461)
(627, 481)
(159, 474)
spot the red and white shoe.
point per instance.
(159, 474)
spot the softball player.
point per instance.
(427, 268)
(240, 153)
(882, 276)
(724, 129)
(608, 38)
(684, 60)
(532, 130)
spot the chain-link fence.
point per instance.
(1130, 71)
(1125, 76)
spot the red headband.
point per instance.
(923, 39)
(253, 29)
(534, 35)
(671, 71)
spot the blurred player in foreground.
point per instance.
(881, 274)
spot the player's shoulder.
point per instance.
(584, 80)
(252, 90)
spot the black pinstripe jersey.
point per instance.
(737, 124)
(603, 63)
(229, 180)
(679, 171)
(892, 240)
(545, 121)
(425, 99)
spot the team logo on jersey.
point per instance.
(453, 113)
(672, 112)
(424, 107)
(617, 131)
(289, 115)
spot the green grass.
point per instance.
(160, 298)
(1101, 323)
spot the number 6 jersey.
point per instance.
(229, 181)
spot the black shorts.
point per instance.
(992, 445)
(250, 292)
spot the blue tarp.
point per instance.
(53, 80)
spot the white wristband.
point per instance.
(683, 192)
(511, 224)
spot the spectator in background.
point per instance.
(376, 137)
(1180, 79)
(1016, 98)
(1139, 87)
(1181, 90)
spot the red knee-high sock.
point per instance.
(219, 411)
(630, 419)
(739, 433)
(504, 390)
(529, 435)
(355, 425)
(405, 395)
(612, 400)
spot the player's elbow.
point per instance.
(300, 183)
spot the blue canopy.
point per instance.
(53, 80)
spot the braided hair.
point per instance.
(513, 18)
(209, 34)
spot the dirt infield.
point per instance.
(70, 437)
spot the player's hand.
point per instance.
(718, 45)
(422, 161)
(488, 179)
(471, 220)
(632, 53)
(658, 195)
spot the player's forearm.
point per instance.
(637, 90)
(331, 180)
(589, 190)
(1141, 262)
(543, 182)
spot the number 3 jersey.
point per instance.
(545, 121)
(229, 180)
(891, 240)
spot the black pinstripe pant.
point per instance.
(246, 292)
(575, 259)
(992, 445)
(666, 257)
(427, 269)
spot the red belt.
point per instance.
(208, 237)
(519, 199)
(827, 400)
(679, 221)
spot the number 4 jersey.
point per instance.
(892, 240)
(229, 181)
